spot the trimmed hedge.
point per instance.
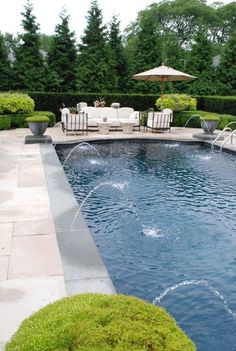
(181, 118)
(219, 104)
(141, 102)
(17, 120)
(5, 122)
(53, 101)
(100, 322)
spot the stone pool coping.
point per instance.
(37, 207)
(84, 270)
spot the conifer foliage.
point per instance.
(62, 58)
(5, 68)
(190, 36)
(94, 58)
(118, 59)
(29, 64)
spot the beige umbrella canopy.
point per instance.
(163, 74)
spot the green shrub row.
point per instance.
(181, 118)
(17, 120)
(140, 102)
(53, 102)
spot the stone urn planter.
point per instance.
(209, 124)
(37, 124)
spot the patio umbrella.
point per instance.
(163, 74)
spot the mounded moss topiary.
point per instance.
(209, 118)
(37, 119)
(90, 322)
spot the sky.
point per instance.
(47, 13)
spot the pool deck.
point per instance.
(38, 263)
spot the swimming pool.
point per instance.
(164, 218)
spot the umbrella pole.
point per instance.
(162, 91)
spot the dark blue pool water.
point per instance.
(164, 218)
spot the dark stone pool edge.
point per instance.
(84, 269)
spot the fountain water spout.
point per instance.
(192, 117)
(118, 186)
(78, 146)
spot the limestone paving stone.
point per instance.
(31, 176)
(6, 230)
(4, 262)
(32, 256)
(37, 227)
(14, 213)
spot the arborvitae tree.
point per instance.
(5, 68)
(119, 61)
(62, 59)
(227, 70)
(94, 55)
(146, 55)
(201, 65)
(29, 64)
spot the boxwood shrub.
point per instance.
(177, 102)
(15, 102)
(90, 322)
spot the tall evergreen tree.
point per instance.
(201, 65)
(29, 64)
(119, 61)
(146, 55)
(62, 59)
(228, 66)
(5, 68)
(94, 55)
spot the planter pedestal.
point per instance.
(204, 136)
(38, 139)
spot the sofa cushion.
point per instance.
(92, 112)
(109, 112)
(125, 112)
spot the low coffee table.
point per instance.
(104, 127)
(127, 127)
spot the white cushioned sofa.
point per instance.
(114, 116)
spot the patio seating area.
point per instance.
(105, 119)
